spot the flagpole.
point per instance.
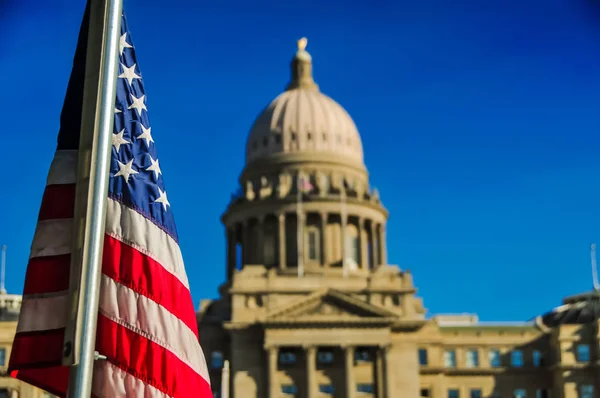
(100, 89)
(344, 216)
(299, 229)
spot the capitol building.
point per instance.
(312, 308)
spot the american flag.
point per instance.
(146, 322)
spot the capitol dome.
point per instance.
(304, 120)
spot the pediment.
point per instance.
(330, 305)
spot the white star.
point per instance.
(126, 170)
(162, 198)
(154, 167)
(138, 104)
(117, 110)
(123, 43)
(129, 74)
(146, 135)
(118, 140)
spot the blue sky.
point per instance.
(480, 123)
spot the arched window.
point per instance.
(270, 242)
(313, 244)
(352, 248)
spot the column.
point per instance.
(364, 253)
(282, 239)
(274, 388)
(311, 371)
(383, 244)
(381, 371)
(231, 257)
(375, 244)
(323, 238)
(349, 365)
(260, 240)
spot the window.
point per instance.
(496, 394)
(516, 359)
(450, 358)
(325, 356)
(266, 141)
(4, 393)
(2, 356)
(583, 353)
(519, 393)
(352, 249)
(312, 242)
(269, 244)
(472, 358)
(453, 393)
(287, 357)
(586, 391)
(538, 359)
(495, 360)
(542, 393)
(364, 387)
(278, 138)
(475, 393)
(327, 389)
(425, 393)
(216, 360)
(289, 389)
(423, 356)
(362, 355)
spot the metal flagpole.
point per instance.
(225, 380)
(103, 35)
(344, 216)
(299, 229)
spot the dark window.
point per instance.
(422, 356)
(326, 388)
(425, 393)
(216, 360)
(495, 360)
(362, 355)
(542, 393)
(309, 136)
(266, 141)
(313, 245)
(538, 358)
(453, 393)
(293, 136)
(325, 356)
(583, 353)
(516, 359)
(287, 357)
(278, 138)
(289, 389)
(4, 393)
(364, 387)
(476, 393)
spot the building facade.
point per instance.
(311, 308)
(10, 304)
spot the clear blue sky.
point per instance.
(480, 122)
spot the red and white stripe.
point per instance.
(146, 323)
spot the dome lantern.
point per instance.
(301, 69)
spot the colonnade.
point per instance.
(271, 240)
(350, 383)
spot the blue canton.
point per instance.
(135, 176)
